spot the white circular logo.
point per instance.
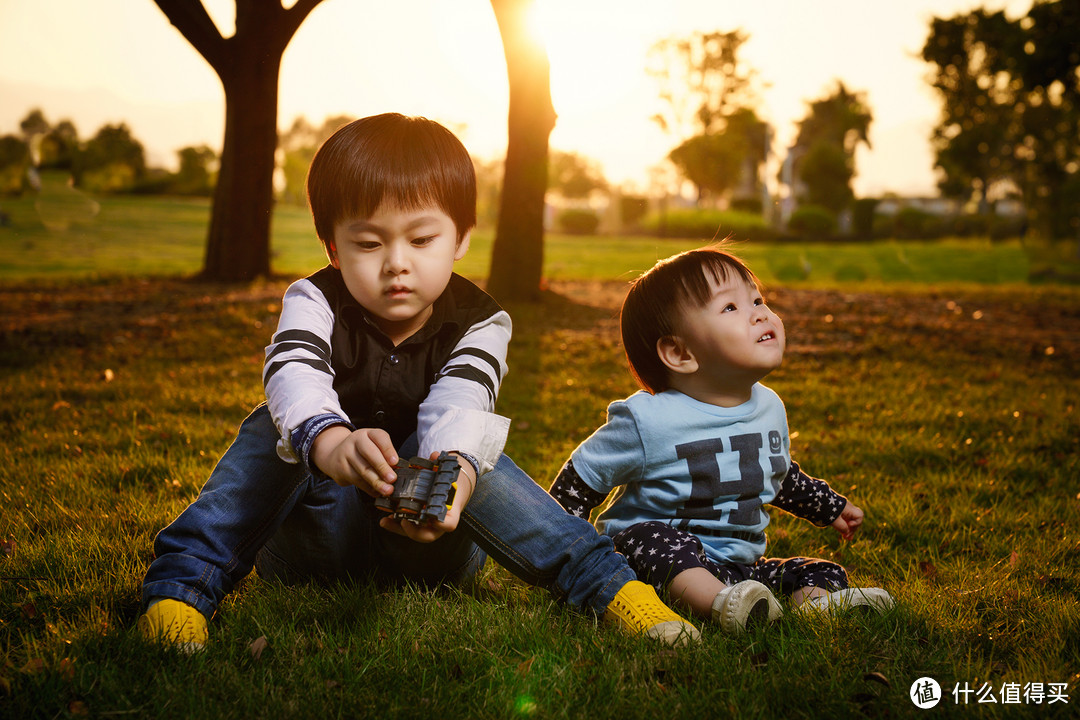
(925, 693)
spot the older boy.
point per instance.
(699, 452)
(384, 354)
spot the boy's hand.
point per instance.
(850, 519)
(364, 458)
(431, 531)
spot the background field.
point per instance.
(161, 236)
(944, 403)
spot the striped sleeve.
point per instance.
(297, 375)
(458, 412)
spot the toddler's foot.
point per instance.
(865, 599)
(640, 611)
(172, 621)
(747, 603)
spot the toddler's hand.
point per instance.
(364, 458)
(850, 519)
(431, 531)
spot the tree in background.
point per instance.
(517, 257)
(823, 156)
(14, 162)
(196, 174)
(972, 142)
(248, 64)
(52, 147)
(297, 148)
(1010, 93)
(707, 102)
(111, 161)
(574, 176)
(59, 146)
(489, 176)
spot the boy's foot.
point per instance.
(867, 599)
(640, 611)
(174, 622)
(745, 604)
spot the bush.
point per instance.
(575, 221)
(971, 225)
(693, 223)
(862, 217)
(632, 209)
(813, 222)
(747, 205)
(913, 224)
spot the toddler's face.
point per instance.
(396, 263)
(735, 336)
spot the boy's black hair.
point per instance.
(405, 161)
(653, 303)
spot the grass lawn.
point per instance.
(944, 404)
(166, 237)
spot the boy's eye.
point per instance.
(426, 240)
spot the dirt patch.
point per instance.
(1030, 324)
(1020, 323)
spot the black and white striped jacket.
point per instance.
(328, 364)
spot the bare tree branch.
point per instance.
(195, 24)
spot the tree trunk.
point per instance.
(248, 64)
(238, 242)
(517, 258)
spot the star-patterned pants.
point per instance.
(658, 552)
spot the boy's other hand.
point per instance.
(364, 458)
(431, 531)
(850, 519)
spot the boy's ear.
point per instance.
(675, 355)
(331, 253)
(463, 246)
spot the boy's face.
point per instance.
(396, 263)
(735, 338)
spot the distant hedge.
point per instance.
(707, 224)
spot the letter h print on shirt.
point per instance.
(740, 497)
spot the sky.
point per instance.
(111, 61)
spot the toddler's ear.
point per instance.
(675, 355)
(331, 253)
(462, 245)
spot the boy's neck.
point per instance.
(730, 394)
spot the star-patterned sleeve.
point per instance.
(576, 497)
(809, 498)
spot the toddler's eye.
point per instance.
(730, 307)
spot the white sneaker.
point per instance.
(745, 603)
(840, 601)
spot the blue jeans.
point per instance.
(258, 510)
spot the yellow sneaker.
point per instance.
(640, 611)
(175, 622)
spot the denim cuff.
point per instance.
(303, 438)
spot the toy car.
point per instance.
(424, 490)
